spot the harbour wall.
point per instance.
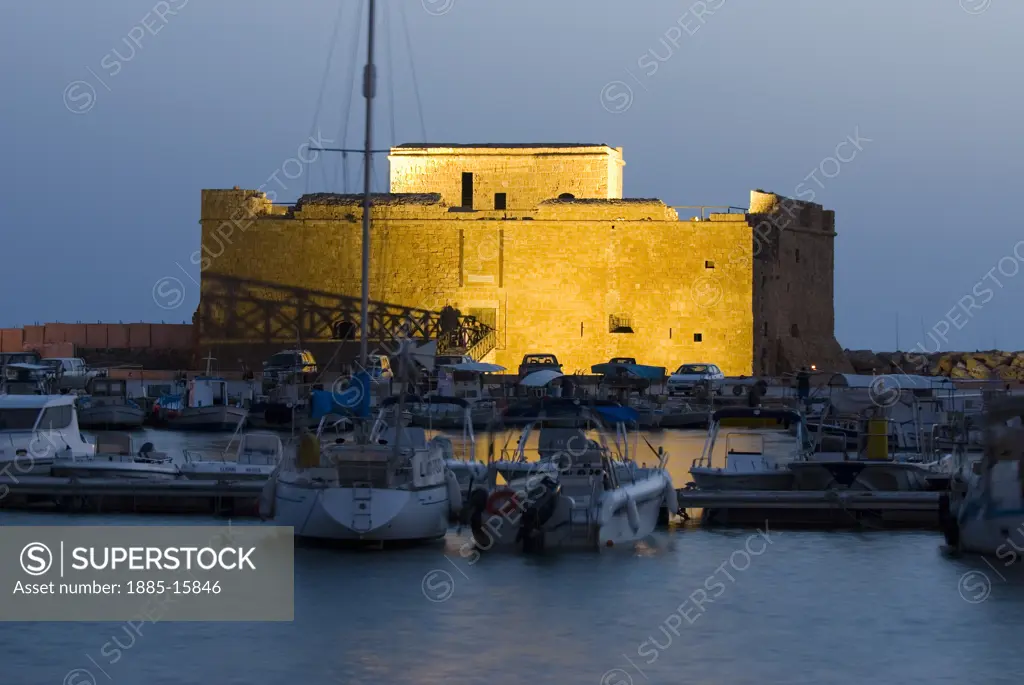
(153, 345)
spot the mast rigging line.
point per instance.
(347, 110)
(323, 86)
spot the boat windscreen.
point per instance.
(18, 419)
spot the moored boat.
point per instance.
(985, 513)
(256, 458)
(35, 430)
(204, 406)
(116, 457)
(577, 495)
(760, 445)
(107, 405)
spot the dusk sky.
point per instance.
(103, 177)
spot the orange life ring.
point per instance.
(497, 503)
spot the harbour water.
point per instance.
(691, 606)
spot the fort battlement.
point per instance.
(536, 242)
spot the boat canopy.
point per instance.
(653, 373)
(895, 380)
(618, 414)
(477, 367)
(567, 407)
(539, 379)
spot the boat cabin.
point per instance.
(108, 387)
(42, 426)
(204, 391)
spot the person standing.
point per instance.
(803, 385)
(756, 393)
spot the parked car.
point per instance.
(289, 365)
(539, 362)
(71, 373)
(687, 378)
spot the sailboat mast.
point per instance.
(369, 86)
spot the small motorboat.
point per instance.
(580, 493)
(257, 456)
(36, 430)
(107, 405)
(760, 444)
(116, 457)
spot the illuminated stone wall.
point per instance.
(569, 277)
(527, 174)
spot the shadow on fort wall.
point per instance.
(244, 321)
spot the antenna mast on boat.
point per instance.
(369, 85)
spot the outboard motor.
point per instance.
(539, 510)
(476, 508)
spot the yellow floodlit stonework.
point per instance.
(538, 240)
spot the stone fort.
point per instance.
(536, 247)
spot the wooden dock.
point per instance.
(125, 495)
(829, 508)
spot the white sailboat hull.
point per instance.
(368, 514)
(1001, 535)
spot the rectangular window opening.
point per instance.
(467, 190)
(698, 337)
(620, 323)
(499, 201)
(708, 264)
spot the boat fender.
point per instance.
(632, 513)
(497, 503)
(454, 493)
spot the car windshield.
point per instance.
(687, 369)
(284, 359)
(540, 359)
(18, 419)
